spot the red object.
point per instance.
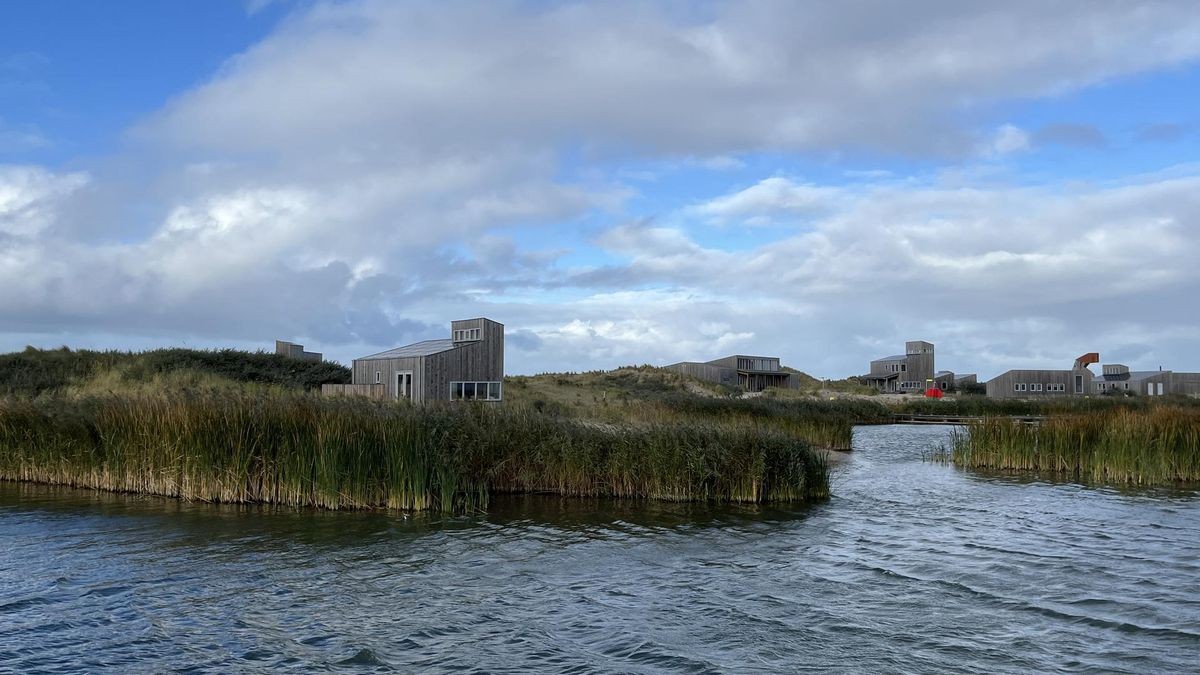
(933, 392)
(1087, 360)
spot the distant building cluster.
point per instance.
(295, 351)
(469, 366)
(1079, 380)
(913, 371)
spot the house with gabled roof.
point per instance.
(469, 366)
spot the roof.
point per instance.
(943, 372)
(884, 376)
(898, 357)
(1143, 374)
(425, 348)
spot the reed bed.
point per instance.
(822, 424)
(1151, 445)
(285, 447)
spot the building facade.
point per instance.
(469, 366)
(295, 351)
(748, 373)
(1081, 381)
(913, 371)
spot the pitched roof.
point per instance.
(424, 348)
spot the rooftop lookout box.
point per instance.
(469, 366)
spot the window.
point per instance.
(903, 367)
(475, 391)
(468, 334)
(378, 377)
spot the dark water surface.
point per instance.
(910, 567)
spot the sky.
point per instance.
(618, 183)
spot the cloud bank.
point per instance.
(371, 170)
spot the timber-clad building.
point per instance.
(1081, 381)
(469, 366)
(295, 351)
(913, 371)
(748, 373)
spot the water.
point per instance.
(911, 567)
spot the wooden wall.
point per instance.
(363, 372)
(1185, 383)
(1001, 386)
(368, 390)
(480, 361)
(707, 372)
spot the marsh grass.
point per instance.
(34, 372)
(1145, 445)
(287, 447)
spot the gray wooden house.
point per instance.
(749, 373)
(912, 371)
(469, 366)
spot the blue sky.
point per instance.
(618, 183)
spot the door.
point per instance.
(1078, 384)
(404, 385)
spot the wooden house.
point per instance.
(748, 373)
(469, 366)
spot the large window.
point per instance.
(475, 391)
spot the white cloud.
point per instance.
(1009, 139)
(770, 198)
(375, 76)
(30, 196)
(372, 168)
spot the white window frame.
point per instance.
(400, 374)
(379, 377)
(475, 386)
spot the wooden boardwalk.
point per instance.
(961, 420)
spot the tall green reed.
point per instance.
(277, 446)
(1145, 445)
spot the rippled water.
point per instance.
(911, 566)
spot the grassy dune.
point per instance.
(648, 395)
(1146, 444)
(39, 371)
(278, 446)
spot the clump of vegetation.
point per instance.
(289, 447)
(1157, 444)
(36, 371)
